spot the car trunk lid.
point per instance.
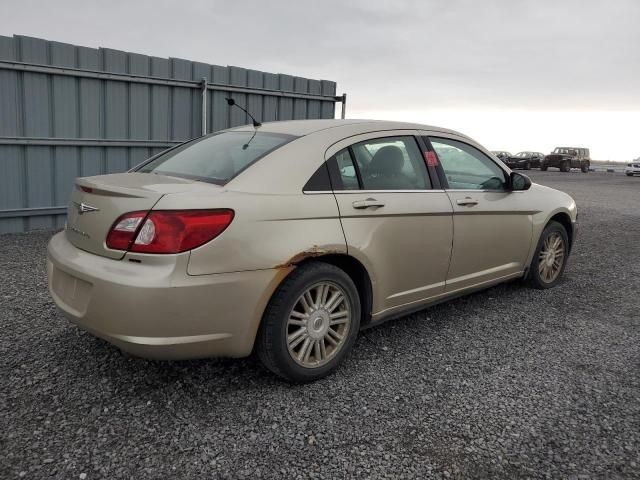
(97, 202)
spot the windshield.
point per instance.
(216, 158)
(522, 154)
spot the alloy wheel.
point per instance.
(551, 257)
(318, 325)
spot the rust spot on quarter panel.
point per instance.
(314, 251)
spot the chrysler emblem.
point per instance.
(84, 208)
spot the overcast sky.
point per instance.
(513, 74)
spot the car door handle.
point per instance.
(369, 202)
(467, 202)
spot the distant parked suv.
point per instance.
(524, 160)
(566, 158)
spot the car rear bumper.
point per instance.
(155, 309)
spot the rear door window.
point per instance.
(346, 170)
(216, 158)
(391, 163)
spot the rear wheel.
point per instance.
(310, 323)
(550, 257)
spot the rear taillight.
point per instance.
(167, 231)
(124, 231)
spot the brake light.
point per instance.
(167, 231)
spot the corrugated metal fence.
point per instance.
(68, 111)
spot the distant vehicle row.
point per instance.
(564, 158)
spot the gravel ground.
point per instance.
(510, 382)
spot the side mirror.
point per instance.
(519, 182)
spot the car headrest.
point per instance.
(388, 160)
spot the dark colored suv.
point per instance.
(566, 158)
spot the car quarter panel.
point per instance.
(268, 230)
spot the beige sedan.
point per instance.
(290, 238)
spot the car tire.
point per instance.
(565, 167)
(544, 168)
(542, 261)
(584, 168)
(629, 174)
(527, 166)
(283, 318)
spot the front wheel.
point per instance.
(543, 168)
(585, 168)
(550, 257)
(565, 167)
(527, 166)
(310, 323)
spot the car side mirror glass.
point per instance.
(519, 182)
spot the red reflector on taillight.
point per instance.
(85, 189)
(168, 231)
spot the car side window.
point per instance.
(466, 167)
(391, 163)
(346, 170)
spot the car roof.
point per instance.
(290, 166)
(307, 127)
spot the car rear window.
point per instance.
(216, 158)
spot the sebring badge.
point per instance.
(78, 231)
(84, 208)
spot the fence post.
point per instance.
(204, 105)
(344, 106)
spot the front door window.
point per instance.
(466, 167)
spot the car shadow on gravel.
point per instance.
(84, 355)
(451, 311)
(201, 383)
